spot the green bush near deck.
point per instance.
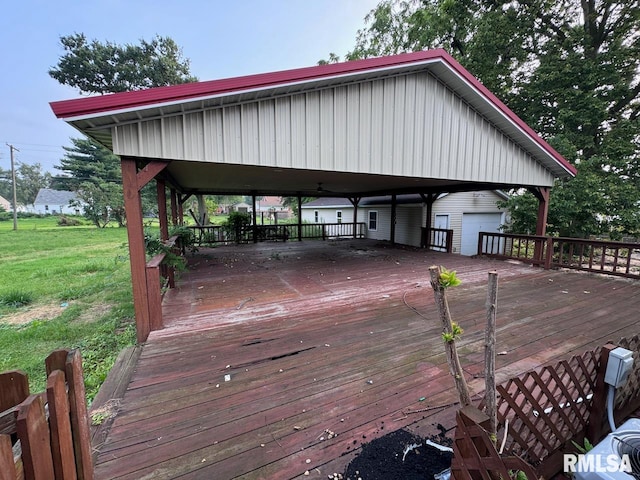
(73, 285)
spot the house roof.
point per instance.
(48, 196)
(335, 202)
(170, 122)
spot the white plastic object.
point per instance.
(618, 367)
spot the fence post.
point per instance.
(480, 242)
(60, 423)
(14, 388)
(599, 401)
(8, 470)
(548, 261)
(79, 416)
(33, 432)
(449, 241)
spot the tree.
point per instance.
(569, 68)
(29, 180)
(95, 67)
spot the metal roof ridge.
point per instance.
(194, 90)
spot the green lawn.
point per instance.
(76, 287)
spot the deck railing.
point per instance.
(601, 256)
(46, 435)
(439, 239)
(214, 234)
(161, 272)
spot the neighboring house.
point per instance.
(466, 213)
(241, 207)
(269, 206)
(55, 202)
(5, 204)
(272, 206)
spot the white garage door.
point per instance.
(474, 223)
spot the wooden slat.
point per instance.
(33, 433)
(14, 388)
(59, 421)
(56, 360)
(7, 466)
(79, 416)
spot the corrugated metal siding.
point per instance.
(407, 125)
(455, 204)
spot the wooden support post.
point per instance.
(174, 207)
(542, 194)
(299, 218)
(543, 210)
(355, 201)
(596, 426)
(490, 399)
(137, 253)
(254, 218)
(393, 220)
(162, 209)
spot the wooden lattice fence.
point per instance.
(544, 410)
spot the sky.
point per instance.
(221, 38)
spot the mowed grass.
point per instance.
(63, 287)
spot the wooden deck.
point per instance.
(339, 337)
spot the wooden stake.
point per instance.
(450, 346)
(490, 355)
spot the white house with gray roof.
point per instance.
(56, 202)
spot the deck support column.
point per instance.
(542, 194)
(428, 199)
(393, 219)
(355, 201)
(254, 218)
(132, 182)
(174, 207)
(299, 218)
(162, 209)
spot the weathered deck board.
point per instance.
(331, 335)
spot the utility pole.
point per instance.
(13, 179)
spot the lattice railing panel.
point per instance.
(547, 407)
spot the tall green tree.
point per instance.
(569, 68)
(96, 67)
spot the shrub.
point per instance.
(65, 221)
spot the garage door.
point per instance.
(474, 223)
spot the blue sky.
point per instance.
(222, 38)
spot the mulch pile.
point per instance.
(382, 459)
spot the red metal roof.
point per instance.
(95, 105)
